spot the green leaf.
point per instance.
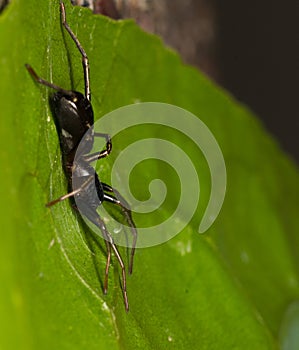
(229, 288)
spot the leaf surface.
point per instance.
(226, 289)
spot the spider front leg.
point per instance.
(101, 154)
(85, 62)
(120, 201)
(44, 82)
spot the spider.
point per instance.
(73, 115)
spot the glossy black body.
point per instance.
(73, 116)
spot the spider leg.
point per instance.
(120, 201)
(42, 81)
(85, 62)
(102, 154)
(105, 286)
(71, 194)
(92, 215)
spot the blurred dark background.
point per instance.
(258, 61)
(250, 48)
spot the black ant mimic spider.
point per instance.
(74, 117)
